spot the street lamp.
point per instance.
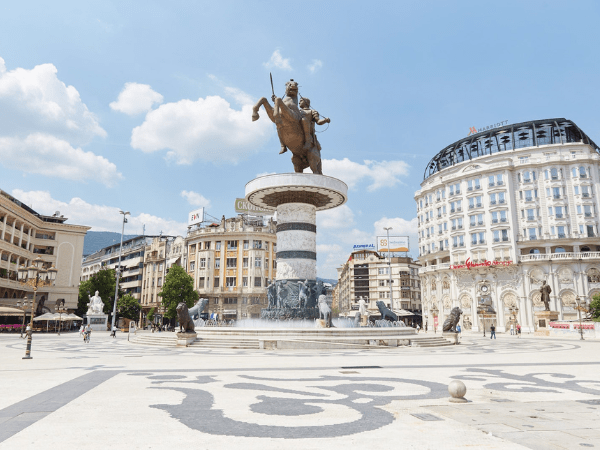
(118, 271)
(579, 307)
(60, 309)
(22, 304)
(390, 266)
(33, 276)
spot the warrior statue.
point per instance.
(295, 127)
(545, 291)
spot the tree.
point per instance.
(150, 316)
(128, 307)
(595, 308)
(104, 282)
(178, 287)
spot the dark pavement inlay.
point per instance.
(19, 416)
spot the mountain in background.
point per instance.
(328, 280)
(97, 240)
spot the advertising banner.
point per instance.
(243, 206)
(196, 216)
(396, 244)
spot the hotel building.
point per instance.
(503, 210)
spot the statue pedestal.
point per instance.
(185, 339)
(542, 321)
(452, 337)
(296, 197)
(97, 321)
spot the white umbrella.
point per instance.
(73, 317)
(47, 316)
(403, 312)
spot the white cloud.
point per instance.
(136, 98)
(278, 61)
(195, 199)
(341, 217)
(45, 154)
(400, 226)
(207, 129)
(380, 173)
(315, 65)
(99, 217)
(36, 101)
(239, 96)
(43, 123)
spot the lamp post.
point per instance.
(118, 271)
(23, 304)
(33, 276)
(390, 267)
(60, 309)
(579, 307)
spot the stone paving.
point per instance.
(537, 393)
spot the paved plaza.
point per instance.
(533, 392)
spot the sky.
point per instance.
(146, 106)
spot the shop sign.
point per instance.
(196, 216)
(468, 264)
(243, 206)
(473, 130)
(364, 247)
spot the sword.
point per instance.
(272, 88)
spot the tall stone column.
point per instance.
(296, 241)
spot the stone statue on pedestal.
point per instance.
(96, 305)
(545, 291)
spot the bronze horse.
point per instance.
(287, 117)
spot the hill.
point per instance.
(97, 240)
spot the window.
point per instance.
(215, 301)
(160, 267)
(192, 265)
(245, 281)
(502, 254)
(257, 282)
(257, 244)
(246, 245)
(590, 231)
(456, 206)
(230, 301)
(585, 191)
(458, 241)
(201, 283)
(523, 159)
(561, 232)
(475, 202)
(556, 192)
(455, 189)
(207, 245)
(476, 219)
(230, 282)
(582, 172)
(473, 184)
(384, 270)
(232, 245)
(257, 262)
(477, 238)
(217, 263)
(159, 282)
(587, 210)
(203, 263)
(231, 263)
(217, 284)
(499, 216)
(457, 224)
(218, 245)
(559, 211)
(501, 235)
(245, 263)
(532, 232)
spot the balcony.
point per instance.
(555, 256)
(558, 215)
(500, 183)
(588, 214)
(531, 218)
(494, 220)
(585, 194)
(556, 196)
(492, 202)
(501, 201)
(491, 184)
(453, 228)
(503, 219)
(528, 199)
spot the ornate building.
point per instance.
(25, 235)
(232, 263)
(503, 210)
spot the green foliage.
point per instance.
(128, 307)
(150, 316)
(595, 308)
(178, 287)
(104, 282)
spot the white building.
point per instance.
(502, 210)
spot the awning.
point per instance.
(8, 311)
(47, 316)
(402, 312)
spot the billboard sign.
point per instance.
(243, 206)
(396, 244)
(363, 247)
(196, 216)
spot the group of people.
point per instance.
(86, 332)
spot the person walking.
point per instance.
(512, 329)
(81, 330)
(493, 332)
(87, 334)
(113, 332)
(518, 331)
(458, 330)
(418, 328)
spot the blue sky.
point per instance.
(145, 106)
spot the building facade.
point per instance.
(500, 212)
(366, 274)
(162, 253)
(132, 263)
(25, 235)
(232, 263)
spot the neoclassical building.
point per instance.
(501, 211)
(25, 235)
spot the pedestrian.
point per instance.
(512, 329)
(418, 328)
(88, 333)
(518, 331)
(493, 330)
(113, 331)
(81, 330)
(458, 330)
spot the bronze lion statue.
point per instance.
(452, 320)
(186, 324)
(385, 312)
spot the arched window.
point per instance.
(582, 172)
(554, 173)
(559, 250)
(526, 176)
(534, 251)
(585, 249)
